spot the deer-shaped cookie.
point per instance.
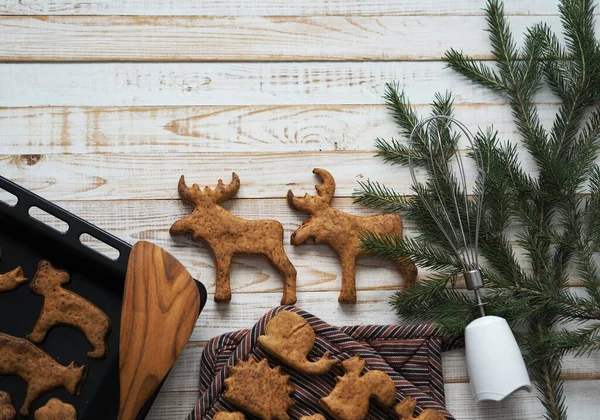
(63, 307)
(349, 400)
(341, 231)
(41, 372)
(227, 235)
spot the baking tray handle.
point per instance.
(69, 239)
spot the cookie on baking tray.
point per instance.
(63, 307)
(290, 338)
(227, 235)
(258, 389)
(42, 373)
(55, 409)
(11, 280)
(7, 411)
(349, 400)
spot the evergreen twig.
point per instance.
(553, 224)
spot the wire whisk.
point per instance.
(450, 208)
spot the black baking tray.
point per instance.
(25, 241)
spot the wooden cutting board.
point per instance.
(160, 308)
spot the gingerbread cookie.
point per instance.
(223, 415)
(7, 411)
(227, 235)
(406, 408)
(42, 373)
(63, 307)
(349, 400)
(260, 390)
(55, 409)
(11, 280)
(289, 338)
(341, 231)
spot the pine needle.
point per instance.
(540, 215)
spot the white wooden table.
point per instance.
(103, 104)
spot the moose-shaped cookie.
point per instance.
(41, 372)
(349, 400)
(63, 307)
(341, 231)
(227, 235)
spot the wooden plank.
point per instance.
(139, 220)
(263, 175)
(454, 365)
(159, 130)
(581, 399)
(169, 84)
(269, 7)
(134, 221)
(247, 38)
(246, 308)
(184, 375)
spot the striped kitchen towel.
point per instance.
(409, 354)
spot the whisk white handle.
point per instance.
(494, 361)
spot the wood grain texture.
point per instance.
(247, 38)
(108, 140)
(159, 130)
(263, 175)
(281, 83)
(160, 306)
(140, 220)
(246, 308)
(269, 7)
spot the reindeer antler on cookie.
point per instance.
(290, 338)
(341, 231)
(349, 400)
(227, 235)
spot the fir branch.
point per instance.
(434, 302)
(474, 70)
(555, 225)
(395, 152)
(375, 195)
(395, 248)
(581, 342)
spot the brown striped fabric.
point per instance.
(409, 354)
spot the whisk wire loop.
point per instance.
(457, 228)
